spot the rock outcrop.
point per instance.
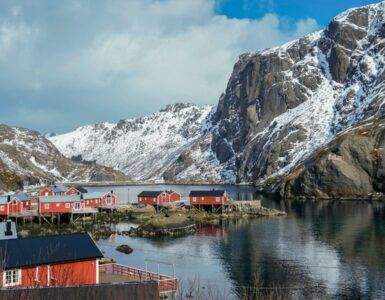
(26, 157)
(351, 166)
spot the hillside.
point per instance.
(26, 157)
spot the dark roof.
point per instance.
(58, 189)
(21, 196)
(208, 193)
(42, 250)
(81, 189)
(150, 193)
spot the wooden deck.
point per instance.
(119, 273)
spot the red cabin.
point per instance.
(53, 190)
(57, 260)
(60, 204)
(158, 197)
(97, 199)
(72, 191)
(10, 206)
(210, 197)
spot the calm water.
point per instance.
(320, 250)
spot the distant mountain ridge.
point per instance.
(150, 148)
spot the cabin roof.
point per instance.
(3, 229)
(207, 193)
(43, 250)
(3, 199)
(81, 189)
(150, 193)
(60, 198)
(58, 189)
(21, 196)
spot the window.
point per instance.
(57, 204)
(46, 206)
(11, 277)
(68, 205)
(217, 199)
(1, 207)
(194, 199)
(46, 193)
(27, 203)
(88, 202)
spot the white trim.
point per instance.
(18, 282)
(48, 275)
(37, 274)
(97, 271)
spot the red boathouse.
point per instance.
(209, 197)
(60, 204)
(53, 190)
(10, 205)
(158, 197)
(57, 260)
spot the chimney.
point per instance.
(81, 196)
(8, 228)
(112, 191)
(8, 198)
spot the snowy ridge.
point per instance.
(142, 148)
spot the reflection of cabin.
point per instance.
(209, 197)
(158, 197)
(57, 260)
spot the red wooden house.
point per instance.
(98, 199)
(75, 190)
(209, 197)
(53, 190)
(10, 206)
(60, 204)
(158, 197)
(58, 260)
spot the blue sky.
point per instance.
(75, 62)
(322, 10)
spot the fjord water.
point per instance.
(321, 249)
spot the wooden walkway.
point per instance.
(119, 273)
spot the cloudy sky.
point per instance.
(69, 63)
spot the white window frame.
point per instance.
(14, 273)
(68, 205)
(46, 205)
(217, 199)
(1, 207)
(194, 199)
(57, 204)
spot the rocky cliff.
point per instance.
(283, 104)
(26, 157)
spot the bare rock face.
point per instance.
(26, 157)
(351, 166)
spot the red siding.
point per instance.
(207, 200)
(46, 191)
(163, 198)
(60, 274)
(55, 207)
(109, 200)
(72, 191)
(93, 203)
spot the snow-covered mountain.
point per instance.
(282, 110)
(26, 157)
(146, 148)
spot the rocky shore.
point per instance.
(171, 221)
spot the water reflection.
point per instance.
(320, 250)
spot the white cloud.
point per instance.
(141, 53)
